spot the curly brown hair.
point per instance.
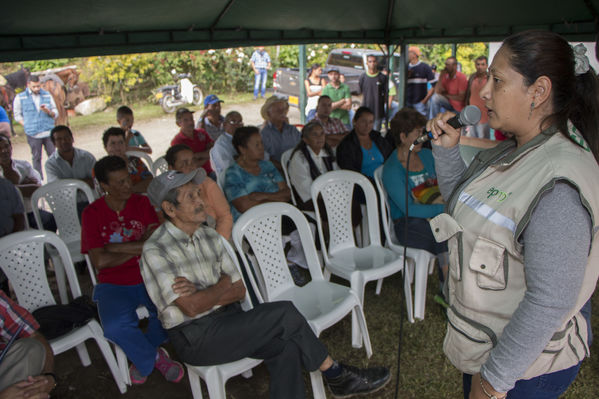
(404, 121)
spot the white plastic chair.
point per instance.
(22, 260)
(342, 257)
(421, 262)
(216, 376)
(159, 166)
(25, 212)
(61, 197)
(322, 303)
(147, 159)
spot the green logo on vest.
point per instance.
(497, 195)
(575, 136)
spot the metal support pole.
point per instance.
(302, 78)
(403, 76)
(454, 50)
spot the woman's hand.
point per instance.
(476, 390)
(443, 134)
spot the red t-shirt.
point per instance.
(198, 143)
(100, 225)
(475, 99)
(454, 86)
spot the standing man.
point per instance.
(260, 62)
(374, 88)
(475, 84)
(450, 90)
(340, 96)
(419, 76)
(35, 110)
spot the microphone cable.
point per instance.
(405, 271)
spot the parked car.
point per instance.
(351, 63)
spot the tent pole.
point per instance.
(301, 80)
(403, 68)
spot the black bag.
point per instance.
(57, 320)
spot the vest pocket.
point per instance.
(489, 263)
(446, 228)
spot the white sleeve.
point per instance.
(299, 176)
(17, 111)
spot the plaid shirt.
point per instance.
(12, 316)
(333, 126)
(171, 253)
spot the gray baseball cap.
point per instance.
(165, 182)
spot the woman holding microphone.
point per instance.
(520, 221)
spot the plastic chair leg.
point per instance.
(420, 280)
(83, 355)
(247, 374)
(379, 286)
(123, 364)
(317, 385)
(363, 329)
(357, 285)
(194, 383)
(408, 293)
(60, 279)
(216, 384)
(112, 364)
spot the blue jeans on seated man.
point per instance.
(422, 108)
(437, 104)
(260, 82)
(117, 306)
(546, 386)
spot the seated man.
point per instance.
(211, 119)
(12, 212)
(26, 179)
(26, 370)
(134, 139)
(196, 287)
(115, 144)
(450, 90)
(113, 231)
(277, 134)
(197, 139)
(68, 162)
(334, 129)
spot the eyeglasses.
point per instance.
(235, 122)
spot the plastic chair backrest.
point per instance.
(246, 304)
(159, 166)
(24, 213)
(261, 227)
(384, 202)
(220, 180)
(147, 159)
(336, 188)
(285, 157)
(61, 196)
(22, 260)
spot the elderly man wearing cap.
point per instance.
(340, 96)
(197, 139)
(277, 134)
(196, 288)
(113, 230)
(419, 76)
(211, 120)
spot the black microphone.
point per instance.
(470, 115)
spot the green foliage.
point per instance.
(42, 65)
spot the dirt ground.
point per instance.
(158, 132)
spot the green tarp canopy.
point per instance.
(36, 29)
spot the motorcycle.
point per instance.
(184, 92)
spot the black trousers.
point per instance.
(275, 332)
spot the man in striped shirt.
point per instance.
(419, 75)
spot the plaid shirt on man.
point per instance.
(333, 126)
(12, 316)
(171, 253)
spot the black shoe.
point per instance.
(355, 381)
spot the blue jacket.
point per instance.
(35, 120)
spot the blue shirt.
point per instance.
(3, 115)
(371, 159)
(276, 142)
(137, 140)
(239, 183)
(394, 181)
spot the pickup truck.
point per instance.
(351, 64)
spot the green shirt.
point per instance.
(338, 94)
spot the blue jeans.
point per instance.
(546, 386)
(258, 78)
(116, 306)
(437, 104)
(422, 108)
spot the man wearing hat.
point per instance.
(277, 134)
(196, 287)
(211, 120)
(419, 76)
(340, 96)
(197, 139)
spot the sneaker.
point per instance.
(354, 381)
(135, 376)
(298, 277)
(170, 369)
